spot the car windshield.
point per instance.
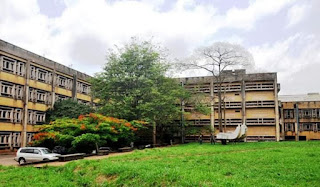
(46, 151)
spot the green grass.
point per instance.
(242, 164)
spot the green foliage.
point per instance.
(241, 164)
(77, 134)
(133, 85)
(67, 108)
(85, 143)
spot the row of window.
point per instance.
(205, 88)
(8, 114)
(36, 73)
(13, 139)
(250, 121)
(15, 91)
(39, 96)
(290, 127)
(303, 113)
(14, 115)
(11, 90)
(83, 88)
(40, 74)
(12, 66)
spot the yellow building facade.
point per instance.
(30, 84)
(300, 117)
(247, 98)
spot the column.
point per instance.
(276, 108)
(25, 106)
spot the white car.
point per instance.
(34, 154)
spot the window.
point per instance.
(6, 114)
(29, 151)
(40, 74)
(61, 97)
(307, 127)
(36, 151)
(19, 91)
(289, 127)
(41, 96)
(8, 64)
(20, 68)
(18, 115)
(288, 114)
(23, 150)
(6, 89)
(36, 117)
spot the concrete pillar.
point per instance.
(10, 141)
(25, 106)
(276, 108)
(53, 86)
(212, 105)
(243, 96)
(74, 87)
(296, 124)
(283, 135)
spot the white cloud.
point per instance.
(296, 14)
(246, 18)
(85, 30)
(288, 58)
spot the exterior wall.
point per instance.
(249, 98)
(29, 85)
(308, 125)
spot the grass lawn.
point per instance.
(242, 164)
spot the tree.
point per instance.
(85, 133)
(133, 85)
(67, 108)
(215, 59)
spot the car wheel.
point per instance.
(22, 161)
(46, 159)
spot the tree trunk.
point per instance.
(212, 106)
(219, 109)
(154, 134)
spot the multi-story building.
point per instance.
(249, 98)
(300, 116)
(30, 84)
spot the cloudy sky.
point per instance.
(282, 35)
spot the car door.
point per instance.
(28, 155)
(37, 155)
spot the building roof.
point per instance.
(296, 98)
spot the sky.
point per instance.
(282, 35)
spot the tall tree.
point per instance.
(67, 108)
(133, 85)
(215, 59)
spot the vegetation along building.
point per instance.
(300, 116)
(30, 84)
(247, 98)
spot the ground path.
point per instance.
(7, 160)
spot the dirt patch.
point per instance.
(103, 178)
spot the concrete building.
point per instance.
(249, 98)
(30, 84)
(300, 116)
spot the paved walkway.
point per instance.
(7, 160)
